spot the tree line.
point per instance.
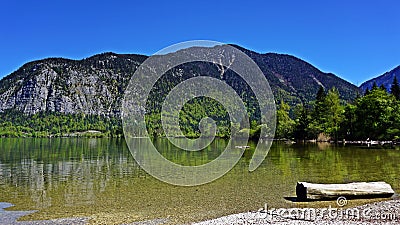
(14, 123)
(374, 115)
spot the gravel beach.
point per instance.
(387, 212)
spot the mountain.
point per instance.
(91, 86)
(95, 85)
(385, 79)
(295, 80)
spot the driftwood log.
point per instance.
(309, 191)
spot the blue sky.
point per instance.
(356, 40)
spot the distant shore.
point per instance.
(79, 134)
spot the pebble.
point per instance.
(387, 212)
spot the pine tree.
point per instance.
(366, 92)
(333, 112)
(285, 124)
(321, 94)
(317, 114)
(374, 86)
(395, 89)
(301, 128)
(382, 87)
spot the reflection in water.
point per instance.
(323, 145)
(186, 168)
(79, 166)
(84, 177)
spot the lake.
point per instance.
(78, 177)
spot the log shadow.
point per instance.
(348, 197)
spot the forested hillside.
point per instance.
(58, 96)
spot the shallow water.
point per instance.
(98, 178)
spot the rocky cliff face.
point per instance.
(96, 85)
(90, 86)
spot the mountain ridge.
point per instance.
(385, 79)
(95, 85)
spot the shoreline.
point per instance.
(384, 212)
